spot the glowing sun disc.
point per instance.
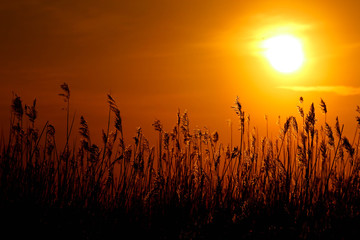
(284, 53)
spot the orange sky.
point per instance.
(158, 56)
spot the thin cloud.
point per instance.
(340, 90)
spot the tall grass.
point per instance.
(189, 183)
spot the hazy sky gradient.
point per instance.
(158, 56)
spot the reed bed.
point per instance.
(303, 183)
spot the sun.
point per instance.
(284, 52)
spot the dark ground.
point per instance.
(25, 220)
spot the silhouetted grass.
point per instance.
(303, 184)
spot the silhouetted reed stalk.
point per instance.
(241, 115)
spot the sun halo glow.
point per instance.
(284, 52)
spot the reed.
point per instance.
(188, 175)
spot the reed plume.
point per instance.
(17, 108)
(31, 112)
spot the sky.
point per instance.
(156, 57)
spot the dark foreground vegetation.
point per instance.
(303, 184)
